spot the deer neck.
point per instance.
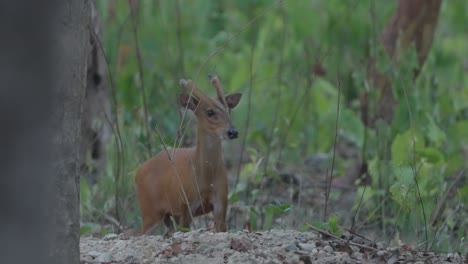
(208, 154)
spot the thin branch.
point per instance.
(247, 119)
(180, 46)
(279, 83)
(330, 177)
(142, 78)
(437, 211)
(328, 234)
(413, 165)
(218, 50)
(118, 139)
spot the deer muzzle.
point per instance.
(232, 133)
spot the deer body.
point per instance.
(188, 182)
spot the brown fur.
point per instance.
(193, 181)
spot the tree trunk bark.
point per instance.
(71, 49)
(43, 72)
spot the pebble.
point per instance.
(104, 257)
(306, 247)
(328, 249)
(291, 247)
(94, 254)
(110, 237)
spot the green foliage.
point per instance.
(275, 210)
(293, 109)
(332, 225)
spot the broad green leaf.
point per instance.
(352, 127)
(434, 133)
(404, 146)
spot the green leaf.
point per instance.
(233, 197)
(404, 145)
(352, 127)
(403, 190)
(85, 229)
(431, 155)
(434, 133)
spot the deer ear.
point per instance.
(188, 101)
(233, 99)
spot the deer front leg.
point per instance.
(220, 206)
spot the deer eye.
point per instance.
(210, 113)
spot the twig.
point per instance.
(326, 233)
(413, 165)
(179, 39)
(247, 119)
(278, 96)
(330, 177)
(142, 79)
(442, 201)
(118, 139)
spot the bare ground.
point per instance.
(275, 246)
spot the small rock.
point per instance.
(354, 248)
(357, 255)
(131, 259)
(104, 257)
(94, 254)
(291, 247)
(306, 247)
(380, 245)
(110, 236)
(328, 249)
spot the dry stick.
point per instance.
(118, 139)
(373, 51)
(299, 106)
(330, 178)
(437, 212)
(353, 220)
(212, 56)
(397, 218)
(179, 38)
(176, 143)
(413, 165)
(142, 79)
(442, 201)
(305, 145)
(247, 119)
(219, 50)
(326, 233)
(278, 96)
(457, 208)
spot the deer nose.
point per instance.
(232, 133)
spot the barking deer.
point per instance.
(186, 182)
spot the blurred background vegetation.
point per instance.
(298, 162)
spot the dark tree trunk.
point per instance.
(43, 72)
(71, 50)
